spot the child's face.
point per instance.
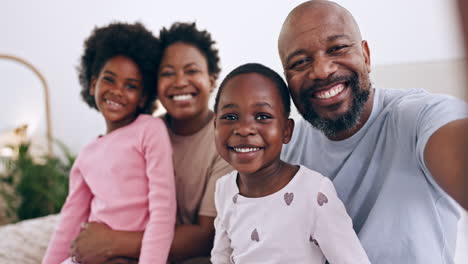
(184, 84)
(250, 125)
(118, 91)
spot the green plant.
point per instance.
(34, 187)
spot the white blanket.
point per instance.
(25, 242)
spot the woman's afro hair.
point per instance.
(189, 34)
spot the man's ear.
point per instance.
(366, 54)
(212, 83)
(288, 130)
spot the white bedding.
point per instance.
(25, 242)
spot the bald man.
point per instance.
(393, 155)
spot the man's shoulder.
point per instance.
(409, 104)
(394, 99)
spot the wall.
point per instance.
(447, 76)
(50, 34)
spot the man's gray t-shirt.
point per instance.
(400, 213)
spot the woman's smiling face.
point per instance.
(185, 84)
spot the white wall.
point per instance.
(50, 33)
(444, 76)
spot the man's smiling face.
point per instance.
(326, 65)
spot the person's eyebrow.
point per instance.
(133, 80)
(229, 106)
(329, 39)
(166, 66)
(259, 104)
(190, 64)
(338, 36)
(292, 55)
(110, 72)
(115, 75)
(263, 104)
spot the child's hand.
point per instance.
(94, 244)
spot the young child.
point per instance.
(187, 75)
(125, 178)
(270, 211)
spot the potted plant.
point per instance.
(34, 186)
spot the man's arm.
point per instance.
(446, 157)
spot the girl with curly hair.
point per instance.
(125, 178)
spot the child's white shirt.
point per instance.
(304, 222)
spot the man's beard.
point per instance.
(331, 127)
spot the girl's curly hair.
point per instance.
(130, 40)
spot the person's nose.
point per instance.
(245, 127)
(118, 88)
(180, 80)
(321, 68)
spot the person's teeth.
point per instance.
(112, 103)
(245, 150)
(181, 97)
(331, 93)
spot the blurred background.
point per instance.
(413, 44)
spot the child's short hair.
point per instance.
(264, 71)
(130, 40)
(189, 34)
